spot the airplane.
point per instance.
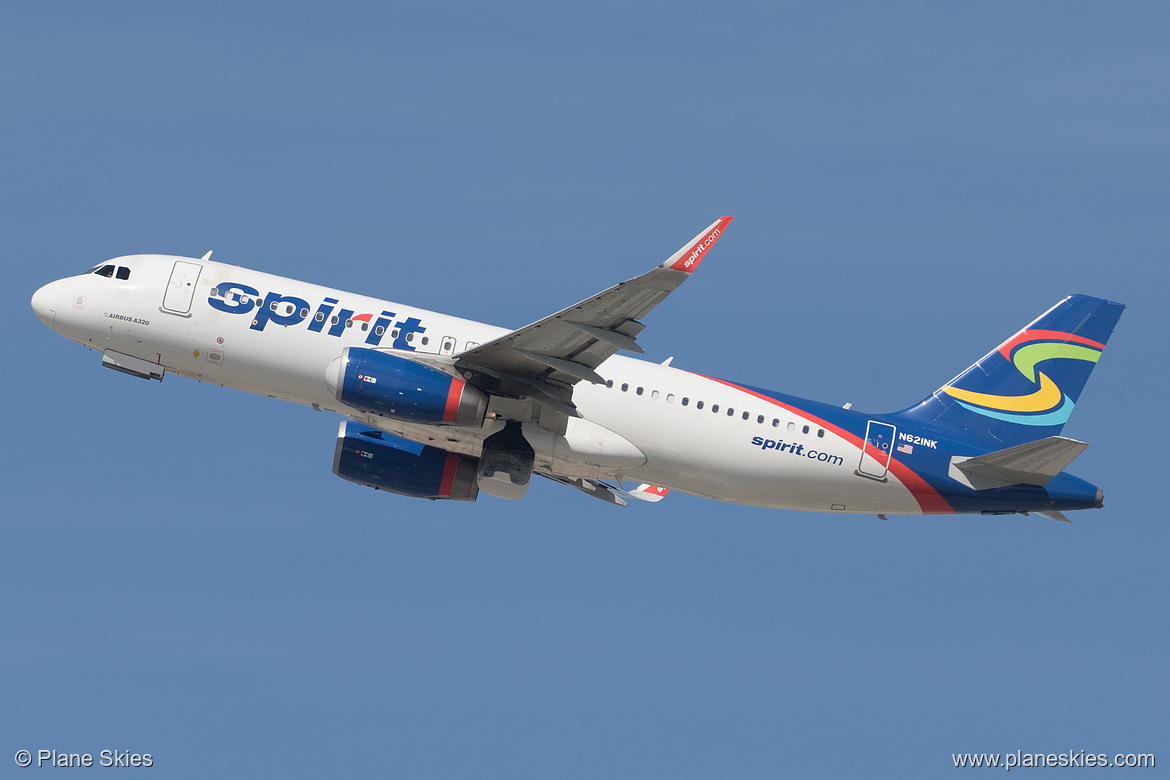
(444, 408)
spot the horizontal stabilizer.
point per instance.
(1034, 463)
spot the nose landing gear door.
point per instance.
(877, 451)
(181, 288)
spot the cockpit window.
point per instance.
(110, 270)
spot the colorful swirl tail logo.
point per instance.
(1047, 404)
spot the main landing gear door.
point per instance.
(878, 449)
(506, 463)
(181, 288)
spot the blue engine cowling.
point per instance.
(385, 462)
(404, 389)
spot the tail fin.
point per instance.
(1026, 388)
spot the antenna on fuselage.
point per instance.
(204, 258)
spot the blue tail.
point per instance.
(1026, 388)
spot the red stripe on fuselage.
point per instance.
(929, 500)
(453, 396)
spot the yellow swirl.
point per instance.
(1047, 397)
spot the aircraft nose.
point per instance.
(44, 302)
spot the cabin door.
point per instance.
(878, 449)
(181, 288)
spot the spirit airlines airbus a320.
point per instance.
(445, 408)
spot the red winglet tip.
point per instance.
(687, 259)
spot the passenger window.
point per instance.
(409, 337)
(365, 326)
(425, 340)
(334, 320)
(792, 426)
(123, 273)
(638, 391)
(805, 430)
(760, 419)
(714, 408)
(272, 305)
(685, 400)
(349, 324)
(775, 423)
(304, 313)
(378, 331)
(654, 395)
(730, 412)
(820, 433)
(319, 316)
(698, 404)
(745, 415)
(609, 383)
(625, 386)
(670, 398)
(393, 333)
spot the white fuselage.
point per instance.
(650, 423)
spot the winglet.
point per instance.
(650, 493)
(687, 258)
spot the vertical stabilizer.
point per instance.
(1026, 388)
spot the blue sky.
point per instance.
(184, 576)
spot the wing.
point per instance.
(608, 493)
(543, 361)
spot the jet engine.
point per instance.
(385, 462)
(393, 386)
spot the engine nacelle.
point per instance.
(404, 389)
(386, 462)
